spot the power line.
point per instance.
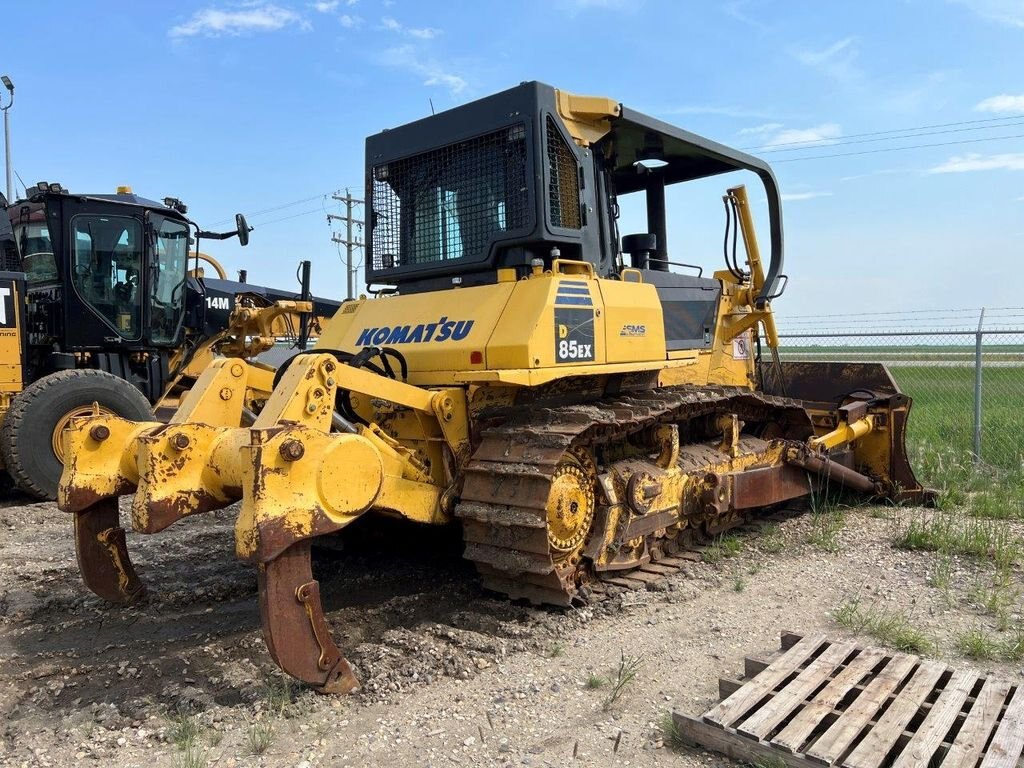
(837, 143)
(286, 218)
(897, 149)
(278, 207)
(891, 130)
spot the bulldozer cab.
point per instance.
(532, 174)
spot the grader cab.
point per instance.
(580, 403)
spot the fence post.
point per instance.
(977, 386)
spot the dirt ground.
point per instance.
(451, 675)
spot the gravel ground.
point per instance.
(451, 675)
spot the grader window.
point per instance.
(106, 262)
(449, 203)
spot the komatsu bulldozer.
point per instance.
(580, 404)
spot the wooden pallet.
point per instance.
(819, 702)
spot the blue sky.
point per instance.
(262, 107)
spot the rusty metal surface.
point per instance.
(297, 634)
(825, 382)
(836, 472)
(102, 555)
(508, 481)
(768, 485)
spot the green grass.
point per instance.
(981, 645)
(950, 533)
(671, 734)
(259, 737)
(942, 418)
(725, 545)
(892, 628)
(595, 681)
(624, 674)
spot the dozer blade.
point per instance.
(297, 634)
(102, 555)
(827, 390)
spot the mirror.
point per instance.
(243, 229)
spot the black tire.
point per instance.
(26, 439)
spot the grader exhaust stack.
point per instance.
(577, 416)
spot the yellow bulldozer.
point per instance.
(580, 403)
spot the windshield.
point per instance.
(33, 238)
(167, 288)
(105, 260)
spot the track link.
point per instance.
(508, 478)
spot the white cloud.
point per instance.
(423, 33)
(420, 33)
(258, 17)
(814, 58)
(973, 161)
(775, 134)
(825, 133)
(1004, 102)
(836, 61)
(434, 73)
(793, 196)
(872, 174)
(325, 6)
(1008, 12)
(349, 21)
(712, 109)
(760, 130)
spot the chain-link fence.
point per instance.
(964, 370)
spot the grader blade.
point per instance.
(102, 555)
(297, 634)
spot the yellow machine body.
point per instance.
(546, 404)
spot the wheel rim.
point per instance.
(64, 421)
(570, 509)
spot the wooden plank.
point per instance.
(845, 729)
(727, 686)
(890, 726)
(731, 745)
(1008, 743)
(754, 666)
(980, 721)
(802, 726)
(788, 639)
(940, 718)
(746, 697)
(765, 720)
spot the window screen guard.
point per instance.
(449, 203)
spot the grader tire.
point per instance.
(30, 439)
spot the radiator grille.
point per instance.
(564, 180)
(449, 203)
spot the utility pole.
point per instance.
(348, 241)
(7, 137)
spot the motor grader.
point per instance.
(580, 404)
(98, 304)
